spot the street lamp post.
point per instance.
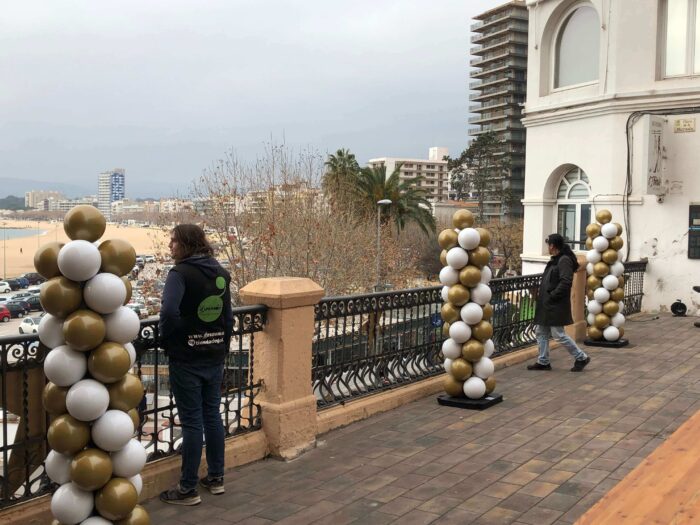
(4, 253)
(383, 202)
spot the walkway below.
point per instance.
(548, 453)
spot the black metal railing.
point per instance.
(634, 286)
(23, 444)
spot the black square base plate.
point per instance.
(607, 344)
(471, 404)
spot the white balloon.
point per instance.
(489, 348)
(484, 368)
(58, 467)
(460, 331)
(617, 269)
(113, 430)
(469, 238)
(104, 293)
(96, 520)
(457, 258)
(123, 325)
(481, 294)
(51, 331)
(443, 293)
(449, 276)
(471, 313)
(617, 320)
(600, 243)
(621, 255)
(621, 306)
(590, 318)
(132, 353)
(608, 230)
(79, 260)
(486, 275)
(70, 504)
(137, 482)
(451, 349)
(601, 295)
(129, 460)
(594, 307)
(589, 268)
(474, 388)
(87, 400)
(593, 256)
(64, 366)
(448, 365)
(610, 282)
(611, 333)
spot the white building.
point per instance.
(36, 199)
(436, 178)
(613, 99)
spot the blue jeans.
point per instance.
(197, 391)
(543, 333)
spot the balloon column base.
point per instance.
(471, 404)
(607, 344)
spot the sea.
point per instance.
(15, 233)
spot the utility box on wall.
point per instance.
(694, 231)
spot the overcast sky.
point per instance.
(163, 88)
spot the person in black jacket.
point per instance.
(553, 310)
(196, 323)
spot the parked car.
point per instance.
(34, 290)
(17, 309)
(19, 295)
(140, 262)
(139, 309)
(34, 303)
(4, 314)
(23, 282)
(33, 278)
(149, 258)
(14, 284)
(5, 287)
(29, 325)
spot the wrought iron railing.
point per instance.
(634, 286)
(23, 444)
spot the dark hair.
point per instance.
(557, 241)
(192, 240)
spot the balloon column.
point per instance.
(605, 283)
(90, 395)
(466, 313)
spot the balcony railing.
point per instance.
(23, 445)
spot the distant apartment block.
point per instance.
(499, 82)
(436, 178)
(37, 199)
(110, 188)
(65, 205)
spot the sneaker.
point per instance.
(213, 485)
(696, 288)
(579, 365)
(539, 366)
(696, 324)
(177, 497)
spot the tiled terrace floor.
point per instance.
(556, 444)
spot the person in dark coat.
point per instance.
(553, 310)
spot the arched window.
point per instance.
(573, 209)
(577, 48)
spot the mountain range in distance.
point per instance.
(18, 187)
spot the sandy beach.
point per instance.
(19, 252)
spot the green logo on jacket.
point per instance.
(210, 308)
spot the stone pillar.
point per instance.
(282, 360)
(578, 296)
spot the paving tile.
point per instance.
(400, 506)
(540, 516)
(497, 516)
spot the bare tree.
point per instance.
(507, 242)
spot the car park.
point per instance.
(29, 325)
(5, 287)
(4, 314)
(34, 303)
(33, 278)
(17, 309)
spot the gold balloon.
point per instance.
(118, 256)
(458, 294)
(485, 237)
(91, 469)
(460, 369)
(488, 311)
(621, 282)
(594, 333)
(453, 387)
(618, 294)
(616, 243)
(449, 313)
(619, 228)
(462, 219)
(610, 308)
(479, 256)
(60, 296)
(443, 258)
(610, 256)
(601, 321)
(54, 399)
(67, 435)
(46, 259)
(135, 417)
(590, 295)
(603, 216)
(445, 330)
(84, 330)
(447, 239)
(600, 269)
(109, 362)
(593, 230)
(490, 384)
(482, 331)
(470, 276)
(127, 285)
(138, 516)
(622, 331)
(473, 350)
(116, 499)
(589, 243)
(593, 282)
(85, 223)
(126, 393)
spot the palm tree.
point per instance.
(409, 201)
(340, 175)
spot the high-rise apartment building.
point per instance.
(110, 188)
(499, 73)
(35, 199)
(436, 179)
